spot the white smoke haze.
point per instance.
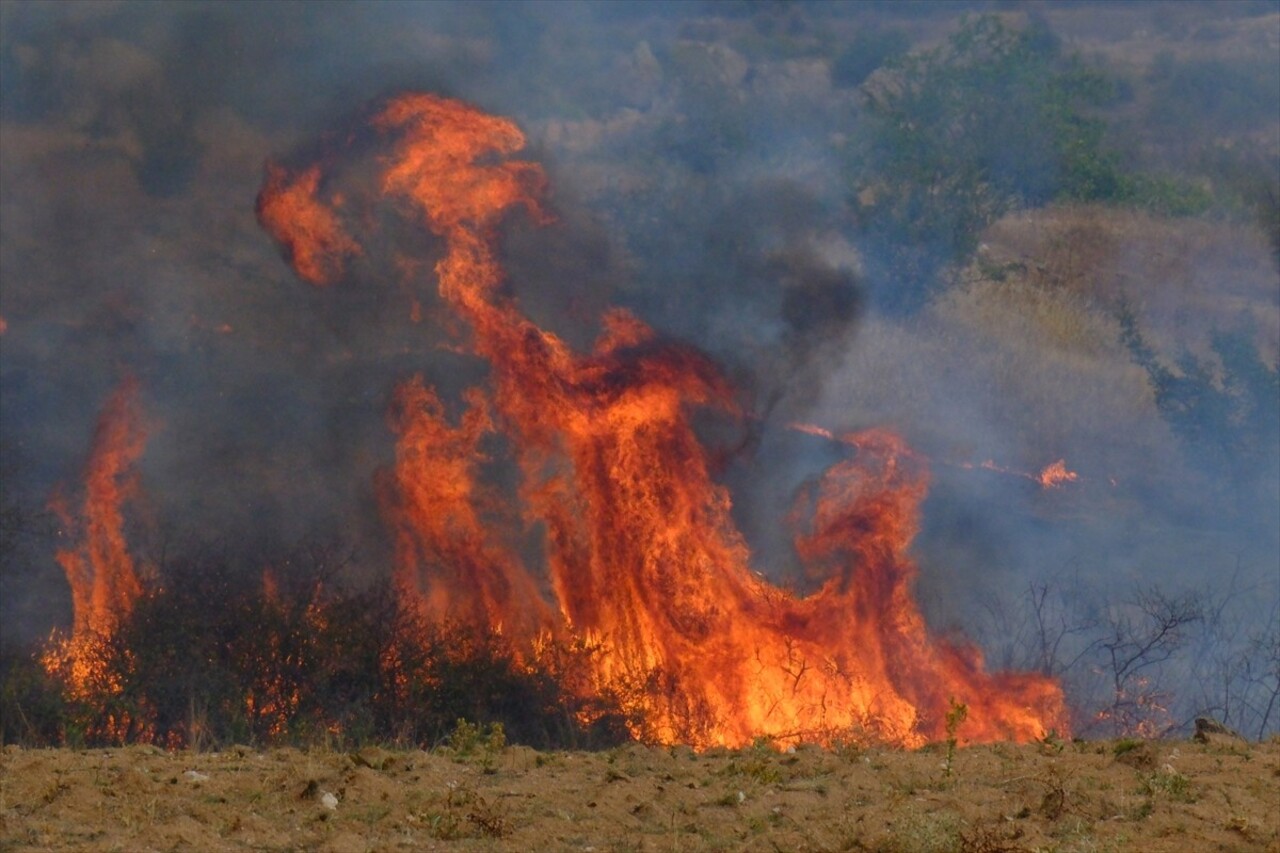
(705, 174)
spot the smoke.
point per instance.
(699, 156)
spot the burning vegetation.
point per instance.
(444, 479)
(640, 616)
(643, 560)
(101, 571)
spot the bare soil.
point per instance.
(1146, 796)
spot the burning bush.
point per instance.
(214, 656)
(643, 561)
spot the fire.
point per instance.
(447, 564)
(309, 231)
(100, 570)
(1050, 477)
(641, 555)
(1056, 474)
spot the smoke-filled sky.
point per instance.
(698, 156)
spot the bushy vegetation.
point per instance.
(706, 152)
(962, 133)
(997, 118)
(212, 656)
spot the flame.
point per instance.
(290, 210)
(642, 559)
(447, 563)
(1051, 476)
(100, 570)
(1055, 474)
(102, 574)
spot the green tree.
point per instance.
(995, 118)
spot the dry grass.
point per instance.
(1021, 361)
(1005, 370)
(1039, 797)
(1185, 279)
(1129, 37)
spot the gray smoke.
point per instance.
(699, 158)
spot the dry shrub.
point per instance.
(992, 363)
(1184, 279)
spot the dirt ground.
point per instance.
(1156, 796)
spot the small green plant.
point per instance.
(472, 740)
(445, 826)
(1170, 783)
(956, 715)
(759, 762)
(758, 769)
(1125, 745)
(1051, 744)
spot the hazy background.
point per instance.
(731, 173)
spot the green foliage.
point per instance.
(1126, 745)
(471, 739)
(758, 762)
(994, 119)
(485, 743)
(1163, 194)
(957, 713)
(1170, 783)
(1052, 743)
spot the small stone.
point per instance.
(195, 776)
(329, 801)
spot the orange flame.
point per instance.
(447, 563)
(289, 209)
(100, 570)
(1056, 474)
(1050, 477)
(103, 578)
(641, 553)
